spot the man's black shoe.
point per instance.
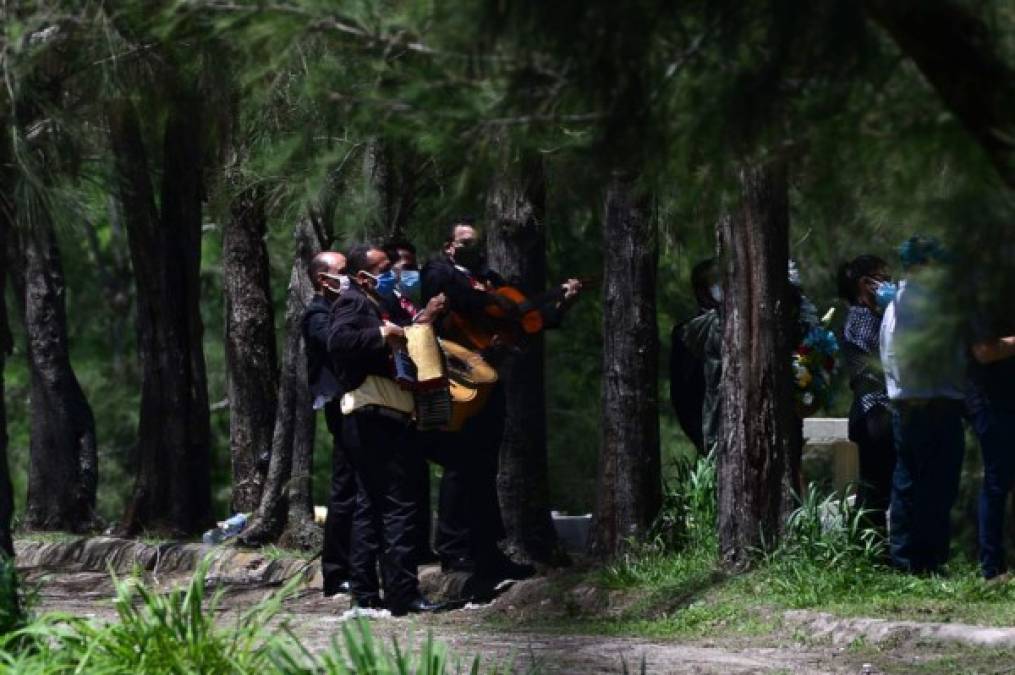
(368, 602)
(334, 589)
(418, 605)
(458, 564)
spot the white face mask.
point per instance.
(715, 290)
(342, 279)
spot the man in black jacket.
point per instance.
(327, 274)
(470, 522)
(378, 434)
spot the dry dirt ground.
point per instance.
(802, 643)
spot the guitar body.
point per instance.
(496, 327)
(471, 379)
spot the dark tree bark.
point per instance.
(759, 415)
(394, 171)
(286, 507)
(63, 467)
(250, 348)
(628, 485)
(516, 247)
(954, 50)
(6, 343)
(172, 491)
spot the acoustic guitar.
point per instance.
(497, 326)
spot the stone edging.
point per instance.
(843, 630)
(122, 556)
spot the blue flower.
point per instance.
(822, 340)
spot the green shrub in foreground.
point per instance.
(12, 601)
(176, 632)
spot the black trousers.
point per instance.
(387, 466)
(469, 521)
(875, 438)
(930, 443)
(341, 507)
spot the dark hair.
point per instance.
(701, 278)
(851, 272)
(358, 258)
(393, 246)
(468, 221)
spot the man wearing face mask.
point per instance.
(470, 523)
(378, 434)
(327, 274)
(865, 284)
(408, 294)
(923, 361)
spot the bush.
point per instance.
(176, 633)
(12, 601)
(687, 518)
(829, 530)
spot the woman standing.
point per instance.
(865, 284)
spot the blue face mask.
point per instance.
(885, 293)
(385, 283)
(408, 279)
(408, 284)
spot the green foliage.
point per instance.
(828, 530)
(687, 518)
(681, 547)
(177, 632)
(14, 602)
(298, 93)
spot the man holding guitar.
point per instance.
(490, 321)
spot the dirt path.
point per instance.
(317, 620)
(69, 577)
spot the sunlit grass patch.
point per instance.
(176, 632)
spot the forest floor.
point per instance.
(569, 623)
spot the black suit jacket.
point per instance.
(321, 379)
(316, 329)
(441, 276)
(355, 344)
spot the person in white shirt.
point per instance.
(923, 378)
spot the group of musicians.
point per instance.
(378, 510)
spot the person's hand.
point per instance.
(434, 308)
(571, 288)
(393, 334)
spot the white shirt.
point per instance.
(912, 378)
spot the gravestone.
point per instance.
(830, 459)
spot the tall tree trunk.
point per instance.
(758, 410)
(955, 51)
(63, 468)
(172, 491)
(250, 348)
(393, 172)
(286, 508)
(6, 490)
(6, 343)
(516, 247)
(628, 484)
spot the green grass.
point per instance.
(177, 632)
(827, 562)
(48, 537)
(272, 552)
